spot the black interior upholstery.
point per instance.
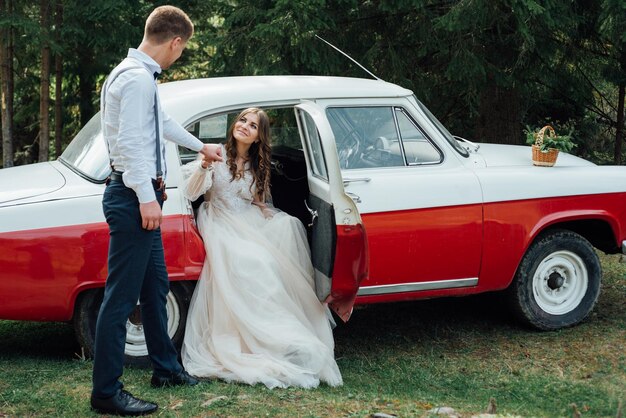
(289, 184)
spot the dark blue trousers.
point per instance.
(136, 272)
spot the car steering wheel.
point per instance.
(348, 149)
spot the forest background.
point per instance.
(485, 68)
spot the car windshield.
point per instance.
(87, 153)
(446, 134)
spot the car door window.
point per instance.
(314, 146)
(417, 149)
(213, 129)
(384, 136)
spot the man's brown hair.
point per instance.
(168, 22)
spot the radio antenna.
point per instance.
(347, 56)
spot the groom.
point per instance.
(134, 128)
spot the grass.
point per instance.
(400, 359)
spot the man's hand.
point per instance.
(150, 215)
(211, 152)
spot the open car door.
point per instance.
(338, 240)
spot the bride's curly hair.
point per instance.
(259, 154)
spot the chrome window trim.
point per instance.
(398, 134)
(424, 134)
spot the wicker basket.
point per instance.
(544, 158)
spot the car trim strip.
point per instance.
(417, 286)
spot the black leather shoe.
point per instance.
(182, 378)
(123, 403)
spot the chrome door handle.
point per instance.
(354, 197)
(313, 214)
(349, 180)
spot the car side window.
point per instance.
(380, 136)
(213, 129)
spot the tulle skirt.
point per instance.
(254, 316)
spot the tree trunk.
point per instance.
(58, 83)
(86, 85)
(500, 116)
(619, 135)
(6, 89)
(44, 98)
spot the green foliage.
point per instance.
(486, 68)
(265, 37)
(612, 29)
(560, 142)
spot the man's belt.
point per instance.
(158, 184)
(116, 176)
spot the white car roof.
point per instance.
(227, 92)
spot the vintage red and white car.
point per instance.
(395, 206)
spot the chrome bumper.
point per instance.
(623, 256)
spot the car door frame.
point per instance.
(339, 241)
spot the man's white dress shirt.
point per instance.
(127, 106)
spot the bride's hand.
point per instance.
(267, 213)
(211, 152)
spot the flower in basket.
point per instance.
(546, 145)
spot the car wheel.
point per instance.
(135, 350)
(558, 281)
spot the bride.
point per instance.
(254, 316)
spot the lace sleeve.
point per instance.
(196, 180)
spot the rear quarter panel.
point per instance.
(522, 202)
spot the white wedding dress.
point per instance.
(254, 316)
